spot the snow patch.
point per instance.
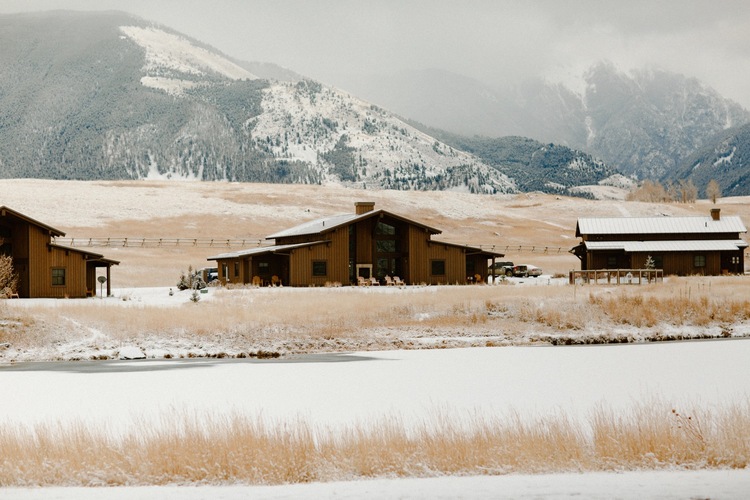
(165, 51)
(132, 352)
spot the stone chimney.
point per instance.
(362, 207)
(716, 214)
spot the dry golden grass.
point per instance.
(287, 320)
(240, 449)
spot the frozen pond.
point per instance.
(340, 389)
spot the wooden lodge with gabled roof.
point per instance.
(45, 269)
(365, 244)
(681, 246)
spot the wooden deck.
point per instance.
(616, 276)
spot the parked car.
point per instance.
(533, 271)
(520, 271)
(501, 268)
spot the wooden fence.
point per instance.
(616, 276)
(135, 242)
(161, 242)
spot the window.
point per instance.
(658, 262)
(735, 260)
(699, 260)
(58, 276)
(385, 246)
(236, 269)
(438, 267)
(320, 268)
(383, 228)
(612, 262)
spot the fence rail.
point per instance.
(160, 242)
(616, 276)
(140, 242)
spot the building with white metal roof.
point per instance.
(679, 245)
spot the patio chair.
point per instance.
(397, 281)
(389, 280)
(361, 281)
(257, 281)
(275, 281)
(374, 281)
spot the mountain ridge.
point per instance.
(123, 98)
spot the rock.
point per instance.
(132, 352)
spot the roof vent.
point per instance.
(716, 214)
(362, 207)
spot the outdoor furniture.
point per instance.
(374, 281)
(389, 280)
(361, 281)
(397, 281)
(275, 280)
(257, 281)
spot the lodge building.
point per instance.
(351, 247)
(45, 269)
(680, 246)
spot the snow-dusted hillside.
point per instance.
(127, 99)
(350, 140)
(336, 136)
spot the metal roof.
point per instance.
(658, 225)
(261, 250)
(667, 246)
(326, 224)
(318, 225)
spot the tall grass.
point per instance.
(352, 318)
(241, 449)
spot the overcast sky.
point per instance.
(493, 41)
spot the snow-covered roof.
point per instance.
(326, 224)
(668, 245)
(319, 225)
(261, 250)
(658, 225)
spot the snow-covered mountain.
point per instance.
(111, 96)
(642, 123)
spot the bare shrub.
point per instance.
(8, 277)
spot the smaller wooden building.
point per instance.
(679, 245)
(45, 269)
(368, 243)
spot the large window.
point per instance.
(58, 276)
(385, 228)
(699, 260)
(385, 246)
(437, 267)
(320, 268)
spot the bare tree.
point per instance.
(713, 190)
(650, 191)
(688, 191)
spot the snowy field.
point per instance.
(331, 390)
